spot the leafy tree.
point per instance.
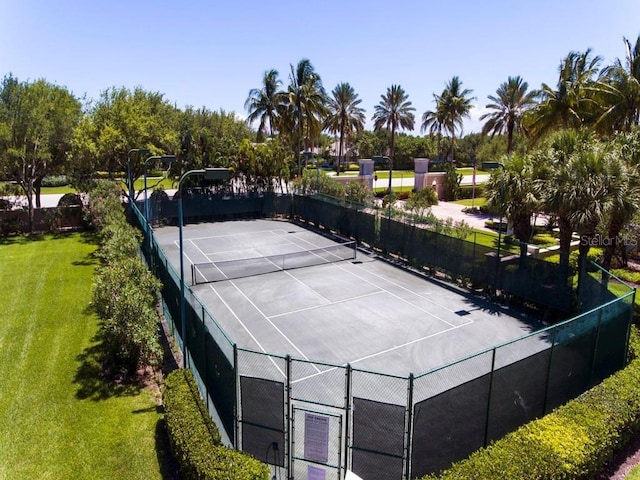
(510, 103)
(36, 126)
(370, 144)
(345, 115)
(393, 112)
(421, 201)
(209, 139)
(263, 103)
(122, 120)
(408, 147)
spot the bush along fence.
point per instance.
(274, 407)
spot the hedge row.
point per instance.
(575, 441)
(194, 439)
(124, 291)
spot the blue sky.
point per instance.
(212, 53)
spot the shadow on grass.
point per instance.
(23, 239)
(169, 468)
(94, 382)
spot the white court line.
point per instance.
(272, 324)
(253, 248)
(199, 249)
(399, 297)
(330, 303)
(247, 330)
(239, 234)
(382, 352)
(409, 290)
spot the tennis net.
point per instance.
(209, 272)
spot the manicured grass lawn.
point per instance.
(58, 419)
(467, 202)
(634, 474)
(396, 174)
(155, 182)
(57, 190)
(469, 171)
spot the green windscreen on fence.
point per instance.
(263, 419)
(378, 447)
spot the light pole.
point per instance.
(500, 224)
(209, 174)
(164, 159)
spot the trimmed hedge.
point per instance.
(194, 439)
(574, 441)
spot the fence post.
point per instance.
(205, 359)
(486, 424)
(288, 419)
(630, 308)
(236, 410)
(409, 426)
(347, 414)
(546, 389)
(595, 347)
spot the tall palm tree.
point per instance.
(262, 103)
(623, 181)
(510, 103)
(345, 114)
(573, 103)
(435, 120)
(305, 103)
(513, 190)
(622, 98)
(452, 106)
(394, 111)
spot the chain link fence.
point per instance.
(310, 419)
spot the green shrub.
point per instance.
(467, 191)
(574, 441)
(194, 439)
(56, 181)
(124, 291)
(627, 275)
(69, 200)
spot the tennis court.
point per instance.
(347, 307)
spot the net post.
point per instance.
(193, 274)
(408, 436)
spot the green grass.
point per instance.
(154, 182)
(634, 474)
(467, 202)
(58, 418)
(469, 171)
(57, 190)
(384, 174)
